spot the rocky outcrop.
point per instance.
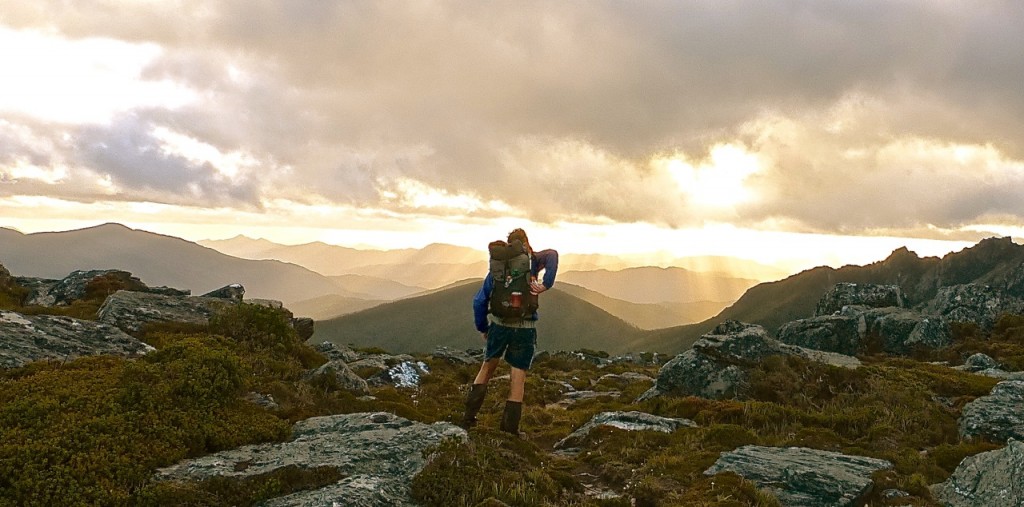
(132, 311)
(858, 329)
(379, 453)
(860, 294)
(998, 416)
(406, 374)
(234, 291)
(334, 351)
(989, 479)
(719, 363)
(76, 286)
(981, 304)
(454, 356)
(341, 375)
(27, 338)
(629, 421)
(802, 476)
(304, 326)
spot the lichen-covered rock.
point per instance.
(836, 333)
(572, 397)
(456, 356)
(304, 327)
(981, 304)
(988, 479)
(629, 421)
(234, 291)
(855, 329)
(860, 294)
(343, 376)
(719, 363)
(379, 452)
(802, 476)
(131, 310)
(333, 351)
(76, 286)
(406, 374)
(978, 362)
(27, 338)
(998, 416)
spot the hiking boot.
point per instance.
(474, 400)
(510, 419)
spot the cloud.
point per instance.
(856, 111)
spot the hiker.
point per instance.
(514, 338)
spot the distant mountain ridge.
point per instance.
(659, 285)
(993, 261)
(158, 259)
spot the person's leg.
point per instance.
(477, 392)
(520, 357)
(486, 371)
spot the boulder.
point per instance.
(304, 326)
(334, 351)
(719, 363)
(981, 304)
(378, 452)
(855, 328)
(342, 375)
(402, 375)
(978, 362)
(629, 421)
(75, 286)
(131, 310)
(802, 476)
(572, 397)
(234, 291)
(991, 479)
(860, 294)
(457, 357)
(998, 416)
(27, 338)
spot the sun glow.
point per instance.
(717, 182)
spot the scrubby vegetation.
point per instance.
(93, 431)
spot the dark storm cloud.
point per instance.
(558, 107)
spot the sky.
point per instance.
(794, 132)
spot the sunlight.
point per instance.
(717, 182)
(85, 80)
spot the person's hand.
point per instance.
(537, 287)
(484, 335)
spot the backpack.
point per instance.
(510, 271)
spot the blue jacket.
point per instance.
(546, 260)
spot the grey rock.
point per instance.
(379, 452)
(572, 397)
(27, 338)
(131, 310)
(981, 304)
(988, 479)
(719, 363)
(629, 421)
(802, 476)
(895, 331)
(623, 379)
(998, 416)
(1001, 374)
(63, 292)
(978, 362)
(333, 351)
(836, 333)
(304, 326)
(584, 356)
(344, 377)
(406, 374)
(234, 291)
(264, 400)
(454, 356)
(860, 294)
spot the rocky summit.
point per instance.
(902, 392)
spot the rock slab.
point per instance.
(629, 421)
(998, 416)
(989, 479)
(379, 452)
(861, 294)
(802, 476)
(27, 338)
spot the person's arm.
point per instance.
(480, 302)
(547, 260)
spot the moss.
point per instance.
(242, 492)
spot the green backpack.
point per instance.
(510, 271)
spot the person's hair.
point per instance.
(518, 234)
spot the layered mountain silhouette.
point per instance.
(991, 261)
(161, 260)
(445, 318)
